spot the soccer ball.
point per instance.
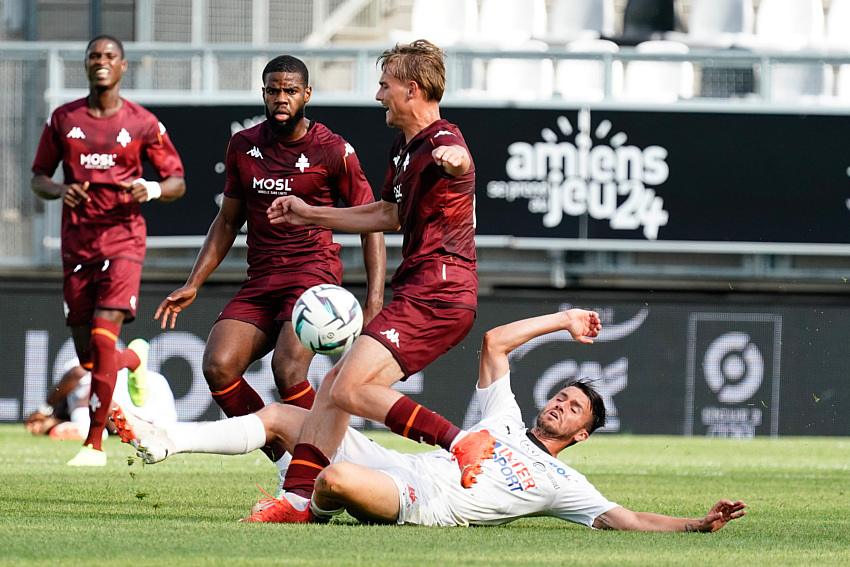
(327, 318)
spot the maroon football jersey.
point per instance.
(104, 151)
(437, 215)
(321, 168)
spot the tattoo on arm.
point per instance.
(603, 522)
(690, 527)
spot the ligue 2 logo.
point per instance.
(733, 367)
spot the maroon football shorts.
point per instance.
(267, 301)
(111, 284)
(417, 333)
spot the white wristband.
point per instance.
(154, 190)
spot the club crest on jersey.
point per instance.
(392, 336)
(255, 152)
(76, 133)
(302, 163)
(123, 137)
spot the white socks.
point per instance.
(463, 433)
(232, 436)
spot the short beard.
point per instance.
(546, 429)
(284, 130)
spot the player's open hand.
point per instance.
(174, 304)
(721, 514)
(289, 209)
(582, 325)
(75, 194)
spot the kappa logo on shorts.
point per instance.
(411, 493)
(392, 336)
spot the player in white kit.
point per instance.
(524, 478)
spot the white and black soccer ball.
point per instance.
(327, 318)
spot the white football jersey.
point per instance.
(522, 480)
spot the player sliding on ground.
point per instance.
(378, 485)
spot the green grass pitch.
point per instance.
(184, 511)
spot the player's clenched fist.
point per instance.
(453, 159)
(288, 209)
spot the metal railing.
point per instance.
(39, 76)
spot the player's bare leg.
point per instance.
(290, 364)
(370, 496)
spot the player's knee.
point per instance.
(346, 397)
(333, 482)
(217, 372)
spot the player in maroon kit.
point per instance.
(101, 141)
(288, 154)
(428, 194)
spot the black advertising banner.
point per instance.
(601, 174)
(680, 364)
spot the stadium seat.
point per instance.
(659, 81)
(442, 22)
(584, 79)
(521, 79)
(644, 20)
(720, 23)
(788, 26)
(838, 39)
(580, 19)
(510, 23)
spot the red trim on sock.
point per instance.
(411, 420)
(307, 462)
(239, 398)
(301, 395)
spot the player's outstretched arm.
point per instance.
(499, 342)
(623, 519)
(454, 160)
(374, 217)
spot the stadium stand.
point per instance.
(584, 79)
(659, 81)
(580, 19)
